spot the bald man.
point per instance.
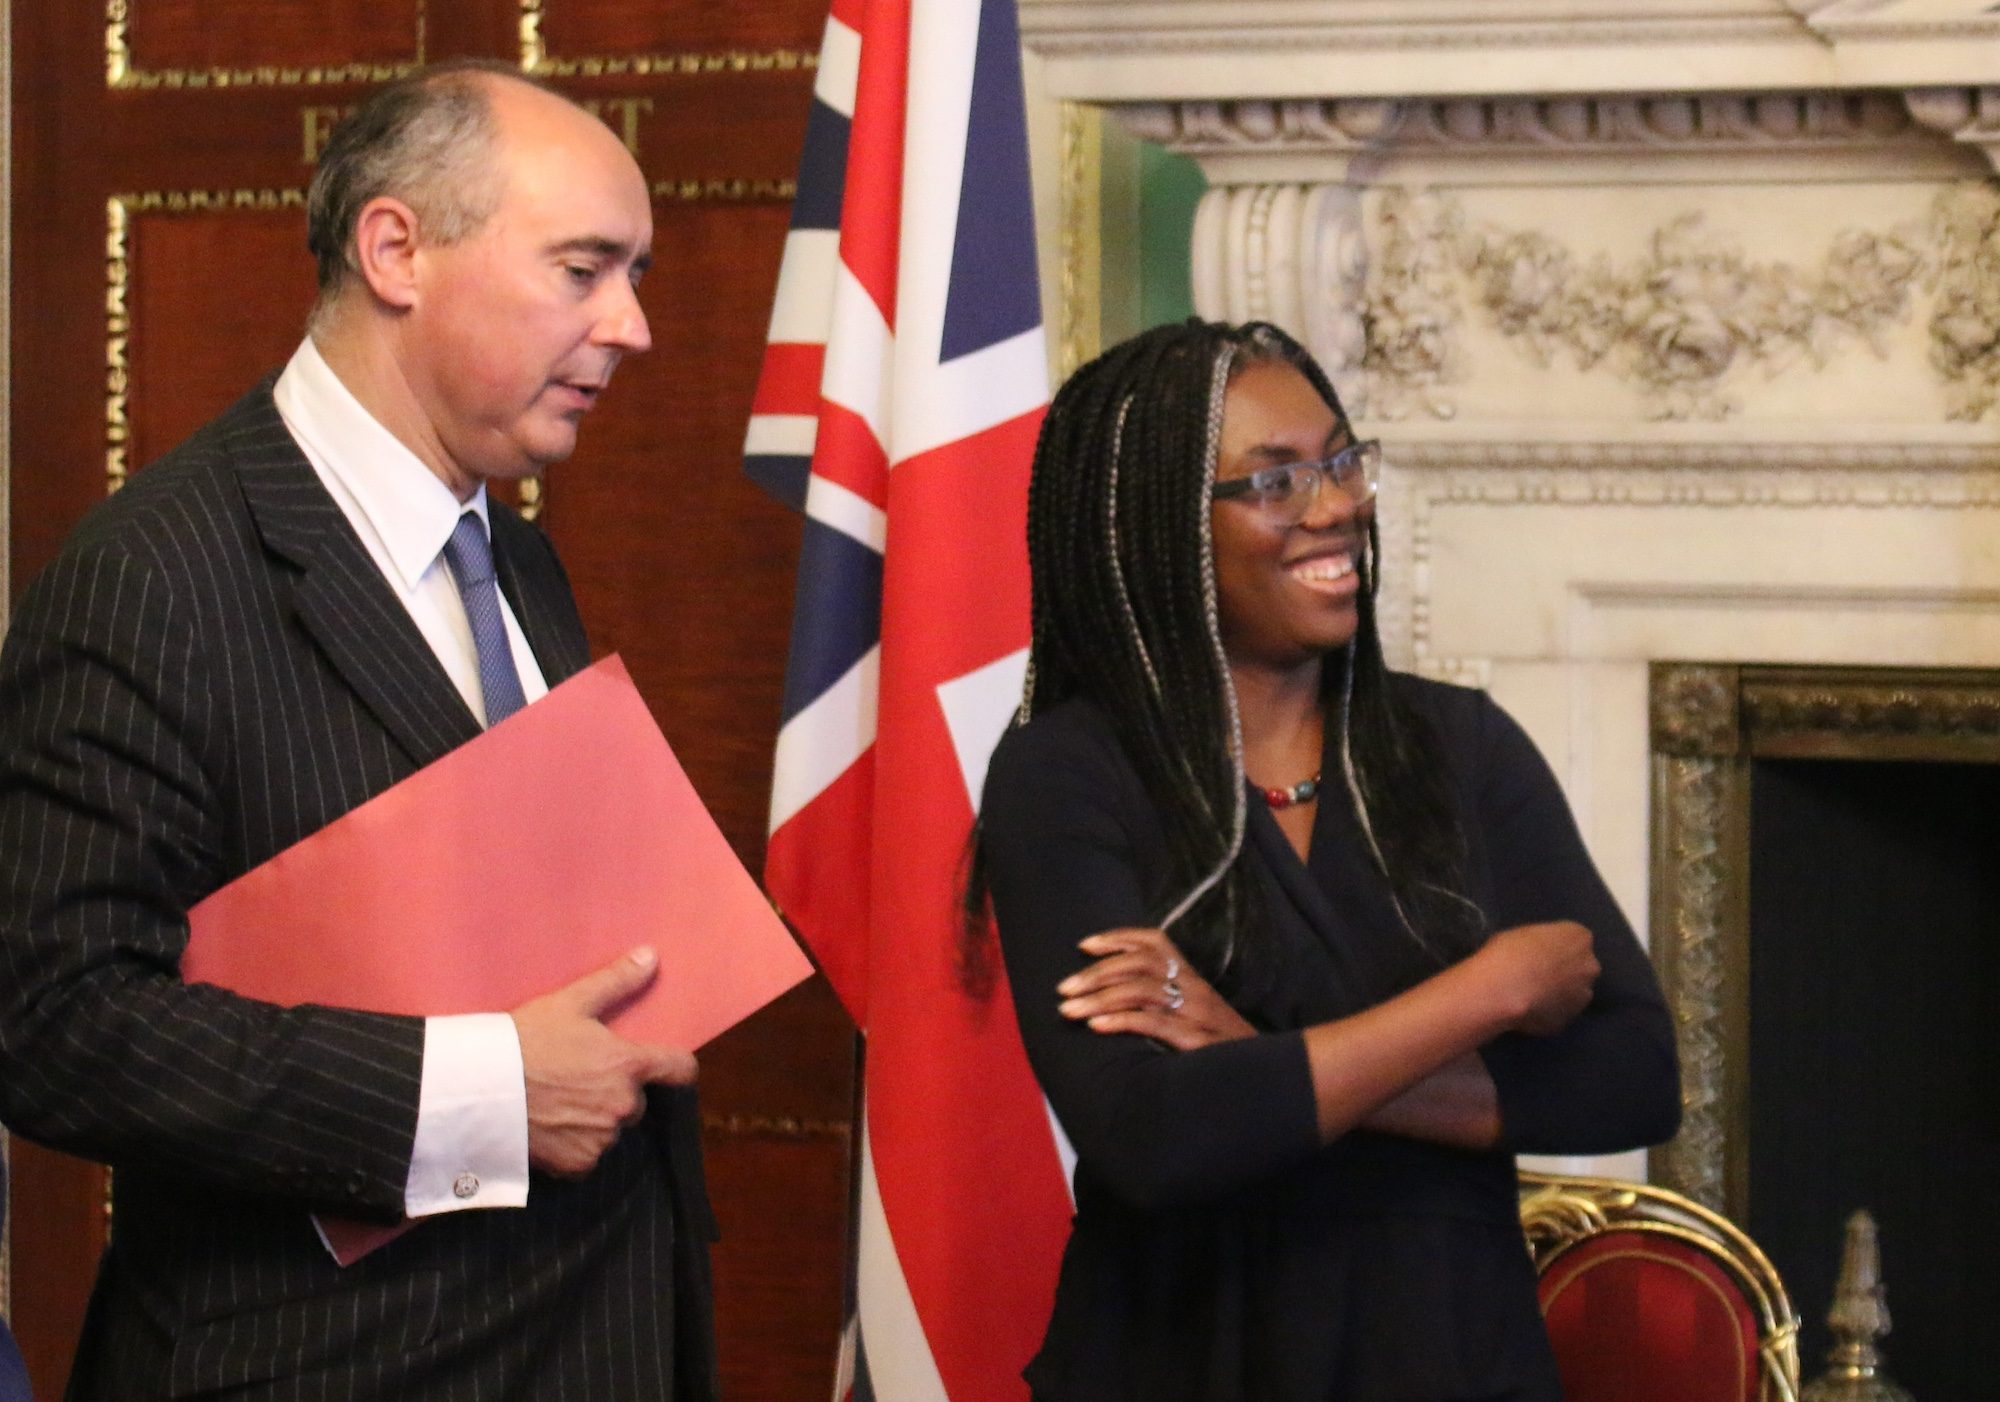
(308, 601)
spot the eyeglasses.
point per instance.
(1285, 493)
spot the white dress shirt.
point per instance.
(472, 1114)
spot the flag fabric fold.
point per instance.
(904, 384)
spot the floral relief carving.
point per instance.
(1679, 321)
(1411, 307)
(1965, 322)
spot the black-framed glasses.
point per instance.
(1287, 492)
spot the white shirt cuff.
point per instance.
(472, 1118)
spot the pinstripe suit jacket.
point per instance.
(212, 669)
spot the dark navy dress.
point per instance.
(1219, 1251)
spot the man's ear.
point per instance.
(385, 245)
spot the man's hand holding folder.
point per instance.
(543, 855)
(585, 1082)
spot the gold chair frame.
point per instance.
(1560, 1212)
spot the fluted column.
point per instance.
(1294, 255)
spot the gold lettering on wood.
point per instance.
(316, 126)
(627, 111)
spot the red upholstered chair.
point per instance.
(1650, 1297)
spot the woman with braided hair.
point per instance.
(1303, 950)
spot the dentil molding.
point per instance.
(1970, 116)
(1601, 138)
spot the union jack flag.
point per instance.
(904, 383)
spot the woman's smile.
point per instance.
(1328, 571)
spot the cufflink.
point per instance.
(465, 1185)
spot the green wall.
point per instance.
(1170, 187)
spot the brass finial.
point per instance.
(1859, 1317)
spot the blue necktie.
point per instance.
(470, 559)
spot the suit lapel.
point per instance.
(341, 599)
(545, 614)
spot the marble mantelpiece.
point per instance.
(1680, 320)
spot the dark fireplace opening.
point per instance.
(1874, 1047)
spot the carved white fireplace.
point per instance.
(1680, 320)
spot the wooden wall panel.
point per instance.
(768, 1348)
(575, 30)
(201, 332)
(198, 35)
(744, 1083)
(679, 563)
(684, 564)
(57, 297)
(190, 139)
(670, 123)
(57, 1227)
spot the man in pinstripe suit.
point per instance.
(259, 633)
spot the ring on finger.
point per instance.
(1173, 968)
(1175, 996)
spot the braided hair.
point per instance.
(1125, 615)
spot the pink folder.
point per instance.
(544, 848)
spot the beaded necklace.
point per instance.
(1305, 791)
